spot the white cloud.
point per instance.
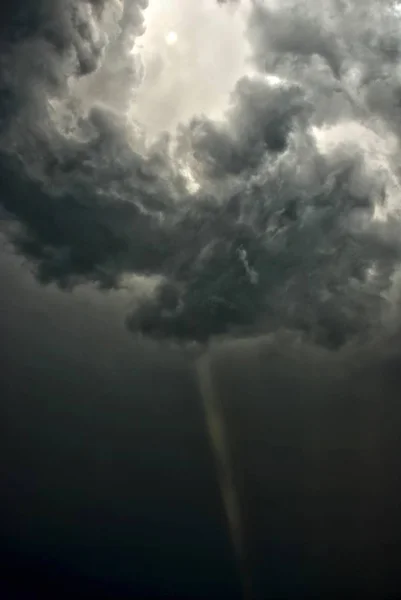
(196, 70)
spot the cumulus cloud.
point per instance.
(282, 214)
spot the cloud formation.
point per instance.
(281, 215)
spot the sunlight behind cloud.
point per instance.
(193, 53)
(171, 38)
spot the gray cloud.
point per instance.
(264, 220)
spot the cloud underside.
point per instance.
(283, 215)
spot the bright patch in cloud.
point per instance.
(171, 38)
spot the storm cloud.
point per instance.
(281, 215)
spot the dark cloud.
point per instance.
(353, 44)
(46, 44)
(258, 125)
(266, 219)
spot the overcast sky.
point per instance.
(200, 178)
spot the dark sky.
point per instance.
(267, 241)
(107, 477)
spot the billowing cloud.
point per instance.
(282, 214)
